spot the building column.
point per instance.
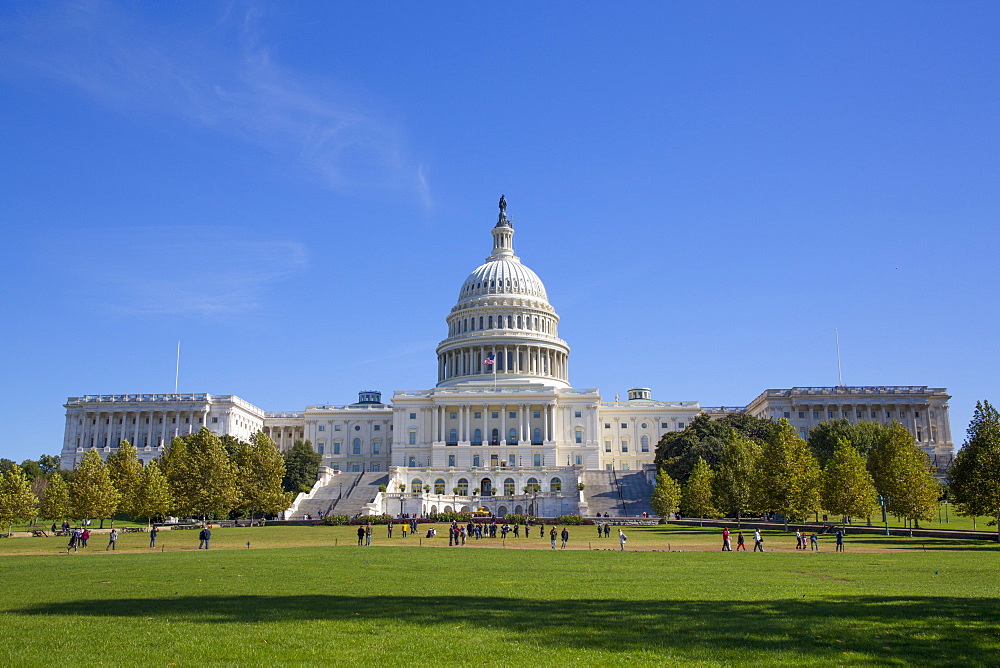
(503, 424)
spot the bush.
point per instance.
(571, 520)
(517, 519)
(450, 517)
(373, 519)
(333, 521)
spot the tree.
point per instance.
(848, 488)
(790, 475)
(704, 437)
(826, 436)
(902, 474)
(666, 496)
(49, 463)
(301, 467)
(92, 493)
(155, 498)
(261, 469)
(31, 469)
(202, 479)
(737, 482)
(974, 475)
(696, 498)
(7, 465)
(17, 503)
(56, 503)
(125, 472)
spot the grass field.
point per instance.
(300, 600)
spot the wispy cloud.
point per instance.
(177, 270)
(220, 76)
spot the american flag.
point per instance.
(488, 360)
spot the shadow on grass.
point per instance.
(886, 629)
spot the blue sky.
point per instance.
(297, 191)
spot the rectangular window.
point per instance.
(336, 447)
(844, 413)
(512, 415)
(451, 460)
(319, 448)
(873, 414)
(537, 414)
(375, 468)
(579, 436)
(537, 459)
(453, 415)
(355, 468)
(607, 425)
(322, 428)
(378, 427)
(494, 415)
(511, 460)
(787, 415)
(624, 466)
(916, 414)
(607, 467)
(859, 415)
(624, 446)
(815, 415)
(413, 438)
(624, 426)
(215, 420)
(475, 460)
(664, 425)
(478, 415)
(336, 427)
(376, 447)
(888, 414)
(356, 449)
(802, 415)
(607, 446)
(680, 425)
(579, 460)
(829, 414)
(413, 416)
(579, 414)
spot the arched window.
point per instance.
(486, 487)
(644, 443)
(356, 447)
(476, 461)
(555, 485)
(512, 436)
(416, 485)
(509, 319)
(499, 322)
(439, 486)
(465, 325)
(463, 487)
(452, 437)
(532, 486)
(472, 324)
(477, 437)
(519, 322)
(481, 322)
(508, 487)
(495, 437)
(491, 322)
(536, 437)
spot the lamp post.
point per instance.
(884, 502)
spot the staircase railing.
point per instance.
(350, 489)
(621, 496)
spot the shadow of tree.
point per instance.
(904, 629)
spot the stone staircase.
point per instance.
(601, 493)
(325, 497)
(636, 491)
(361, 493)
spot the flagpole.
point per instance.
(840, 373)
(494, 371)
(177, 367)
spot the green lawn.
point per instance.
(885, 601)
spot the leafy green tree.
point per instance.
(32, 469)
(666, 496)
(902, 473)
(261, 470)
(790, 475)
(49, 463)
(737, 481)
(93, 494)
(974, 476)
(848, 488)
(126, 476)
(155, 498)
(301, 467)
(7, 465)
(696, 498)
(56, 503)
(826, 436)
(17, 503)
(202, 479)
(706, 438)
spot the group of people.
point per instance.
(78, 538)
(802, 542)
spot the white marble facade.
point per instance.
(517, 417)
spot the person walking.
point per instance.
(798, 540)
(758, 541)
(389, 527)
(814, 541)
(112, 540)
(361, 535)
(621, 539)
(565, 537)
(541, 531)
(204, 536)
(552, 537)
(152, 536)
(402, 528)
(368, 534)
(607, 529)
(73, 542)
(600, 531)
(840, 540)
(726, 545)
(740, 544)
(84, 537)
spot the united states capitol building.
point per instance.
(502, 428)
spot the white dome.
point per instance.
(502, 276)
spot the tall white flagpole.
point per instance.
(177, 367)
(840, 373)
(495, 371)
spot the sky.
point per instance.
(296, 192)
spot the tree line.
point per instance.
(742, 465)
(198, 475)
